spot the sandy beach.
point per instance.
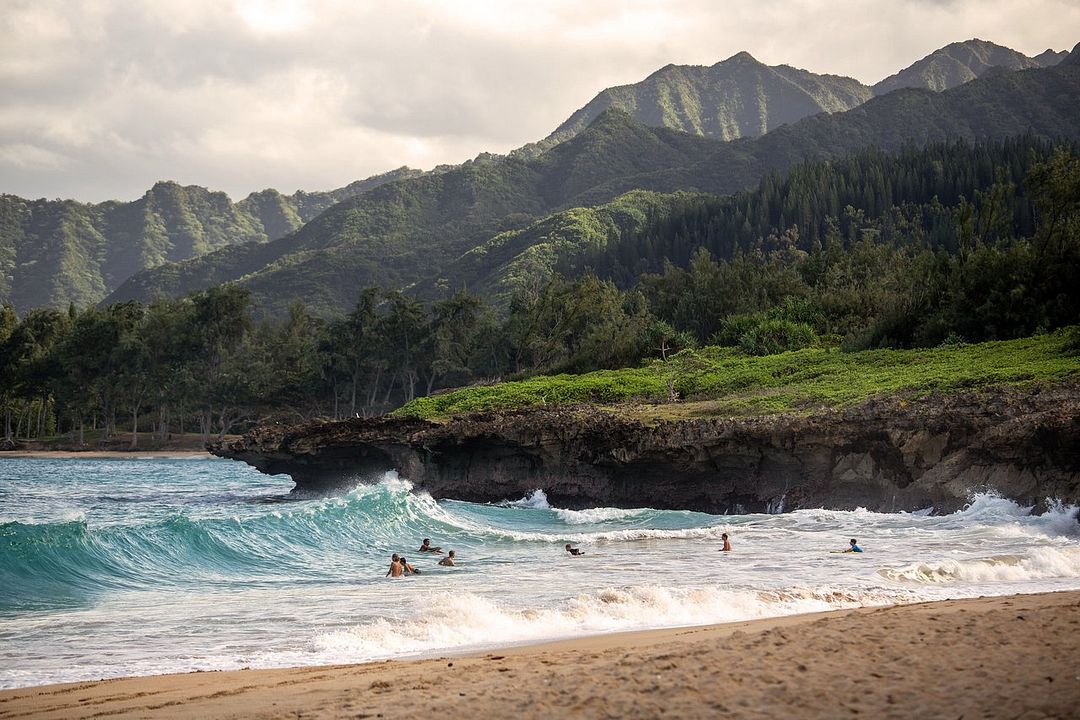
(1006, 657)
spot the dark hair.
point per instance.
(451, 552)
(427, 540)
(854, 541)
(403, 560)
(723, 535)
(395, 557)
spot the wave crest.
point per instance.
(1039, 564)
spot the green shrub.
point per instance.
(773, 336)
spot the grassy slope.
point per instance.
(720, 381)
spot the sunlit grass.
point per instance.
(720, 381)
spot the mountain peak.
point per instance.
(741, 57)
(611, 116)
(735, 98)
(1050, 57)
(956, 64)
(1072, 58)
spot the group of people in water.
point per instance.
(400, 566)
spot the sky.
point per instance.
(101, 98)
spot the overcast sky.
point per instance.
(100, 98)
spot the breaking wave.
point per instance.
(1037, 564)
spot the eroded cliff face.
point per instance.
(886, 454)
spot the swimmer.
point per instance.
(574, 550)
(727, 543)
(448, 561)
(395, 566)
(854, 546)
(426, 547)
(407, 568)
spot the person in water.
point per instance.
(407, 568)
(395, 566)
(448, 561)
(727, 543)
(426, 547)
(574, 550)
(854, 546)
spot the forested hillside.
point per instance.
(55, 252)
(411, 231)
(406, 230)
(904, 196)
(949, 244)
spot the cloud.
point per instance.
(103, 97)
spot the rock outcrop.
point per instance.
(886, 454)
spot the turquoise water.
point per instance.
(120, 567)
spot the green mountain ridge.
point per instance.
(1050, 57)
(741, 97)
(404, 231)
(735, 98)
(958, 63)
(421, 231)
(56, 252)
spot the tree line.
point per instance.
(984, 243)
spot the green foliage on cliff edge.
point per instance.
(724, 381)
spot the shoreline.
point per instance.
(105, 454)
(1006, 655)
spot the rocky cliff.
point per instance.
(887, 454)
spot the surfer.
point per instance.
(395, 566)
(854, 546)
(727, 543)
(448, 561)
(407, 568)
(426, 547)
(574, 550)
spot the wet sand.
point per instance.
(1006, 657)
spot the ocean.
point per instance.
(143, 566)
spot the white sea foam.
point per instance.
(597, 515)
(464, 621)
(536, 500)
(1037, 564)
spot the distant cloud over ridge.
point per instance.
(102, 98)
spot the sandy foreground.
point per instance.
(1007, 657)
(105, 454)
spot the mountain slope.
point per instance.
(413, 231)
(738, 97)
(403, 231)
(54, 252)
(956, 64)
(641, 232)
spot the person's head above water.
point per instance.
(567, 546)
(452, 553)
(427, 541)
(395, 557)
(723, 536)
(854, 541)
